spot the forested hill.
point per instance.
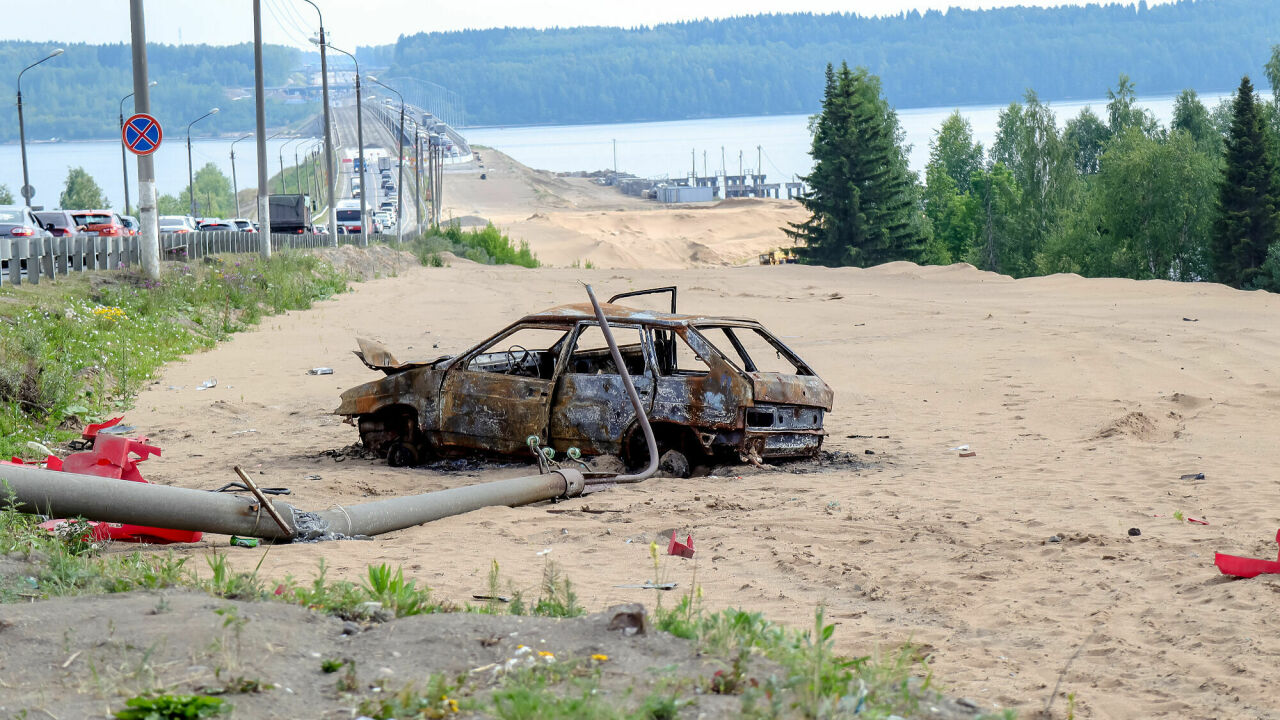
(772, 64)
(77, 94)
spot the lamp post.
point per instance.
(328, 132)
(364, 211)
(22, 132)
(191, 178)
(235, 187)
(297, 177)
(124, 163)
(399, 160)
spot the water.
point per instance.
(649, 149)
(48, 164)
(674, 149)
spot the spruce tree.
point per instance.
(1247, 222)
(863, 198)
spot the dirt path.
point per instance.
(1084, 400)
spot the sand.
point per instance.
(568, 220)
(1085, 402)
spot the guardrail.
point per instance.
(29, 259)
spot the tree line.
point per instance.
(77, 95)
(772, 64)
(1114, 194)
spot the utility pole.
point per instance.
(235, 187)
(264, 192)
(615, 161)
(704, 164)
(417, 179)
(693, 165)
(147, 218)
(328, 133)
(759, 163)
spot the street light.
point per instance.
(400, 160)
(123, 161)
(235, 188)
(364, 213)
(191, 178)
(27, 190)
(328, 132)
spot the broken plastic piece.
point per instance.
(1247, 567)
(320, 371)
(112, 456)
(679, 549)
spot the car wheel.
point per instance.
(402, 454)
(673, 464)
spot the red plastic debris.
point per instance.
(115, 457)
(680, 549)
(1197, 521)
(1247, 567)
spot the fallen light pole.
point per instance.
(61, 494)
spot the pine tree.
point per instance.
(1247, 222)
(863, 198)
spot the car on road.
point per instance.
(131, 224)
(218, 226)
(59, 223)
(18, 221)
(100, 222)
(712, 387)
(244, 225)
(177, 224)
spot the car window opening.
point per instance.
(591, 354)
(753, 350)
(525, 352)
(675, 357)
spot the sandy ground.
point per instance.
(1084, 400)
(567, 220)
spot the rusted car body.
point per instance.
(712, 386)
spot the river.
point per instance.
(779, 143)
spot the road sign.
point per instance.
(28, 192)
(142, 134)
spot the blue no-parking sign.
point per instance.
(142, 134)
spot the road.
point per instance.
(375, 135)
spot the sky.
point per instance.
(369, 22)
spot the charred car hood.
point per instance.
(807, 390)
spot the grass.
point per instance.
(79, 350)
(774, 671)
(487, 246)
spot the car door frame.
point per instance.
(602, 401)
(468, 400)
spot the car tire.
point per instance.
(403, 454)
(674, 464)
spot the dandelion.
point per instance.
(546, 654)
(600, 658)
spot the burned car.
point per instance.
(713, 387)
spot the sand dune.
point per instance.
(1086, 401)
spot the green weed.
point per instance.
(172, 707)
(488, 246)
